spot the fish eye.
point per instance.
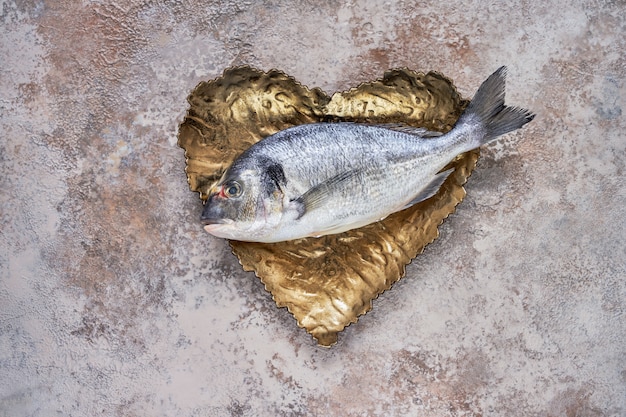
(232, 189)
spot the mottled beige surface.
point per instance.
(114, 302)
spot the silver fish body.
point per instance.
(326, 178)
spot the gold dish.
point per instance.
(327, 282)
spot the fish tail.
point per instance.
(488, 108)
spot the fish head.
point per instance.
(244, 205)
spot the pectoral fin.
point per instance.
(318, 195)
(431, 189)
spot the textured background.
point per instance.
(114, 302)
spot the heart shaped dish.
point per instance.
(326, 282)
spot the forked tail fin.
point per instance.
(488, 108)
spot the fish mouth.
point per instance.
(217, 227)
(214, 214)
(207, 221)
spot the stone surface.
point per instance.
(114, 301)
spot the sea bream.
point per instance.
(325, 178)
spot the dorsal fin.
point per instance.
(417, 131)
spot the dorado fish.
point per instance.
(325, 178)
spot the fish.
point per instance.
(325, 178)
